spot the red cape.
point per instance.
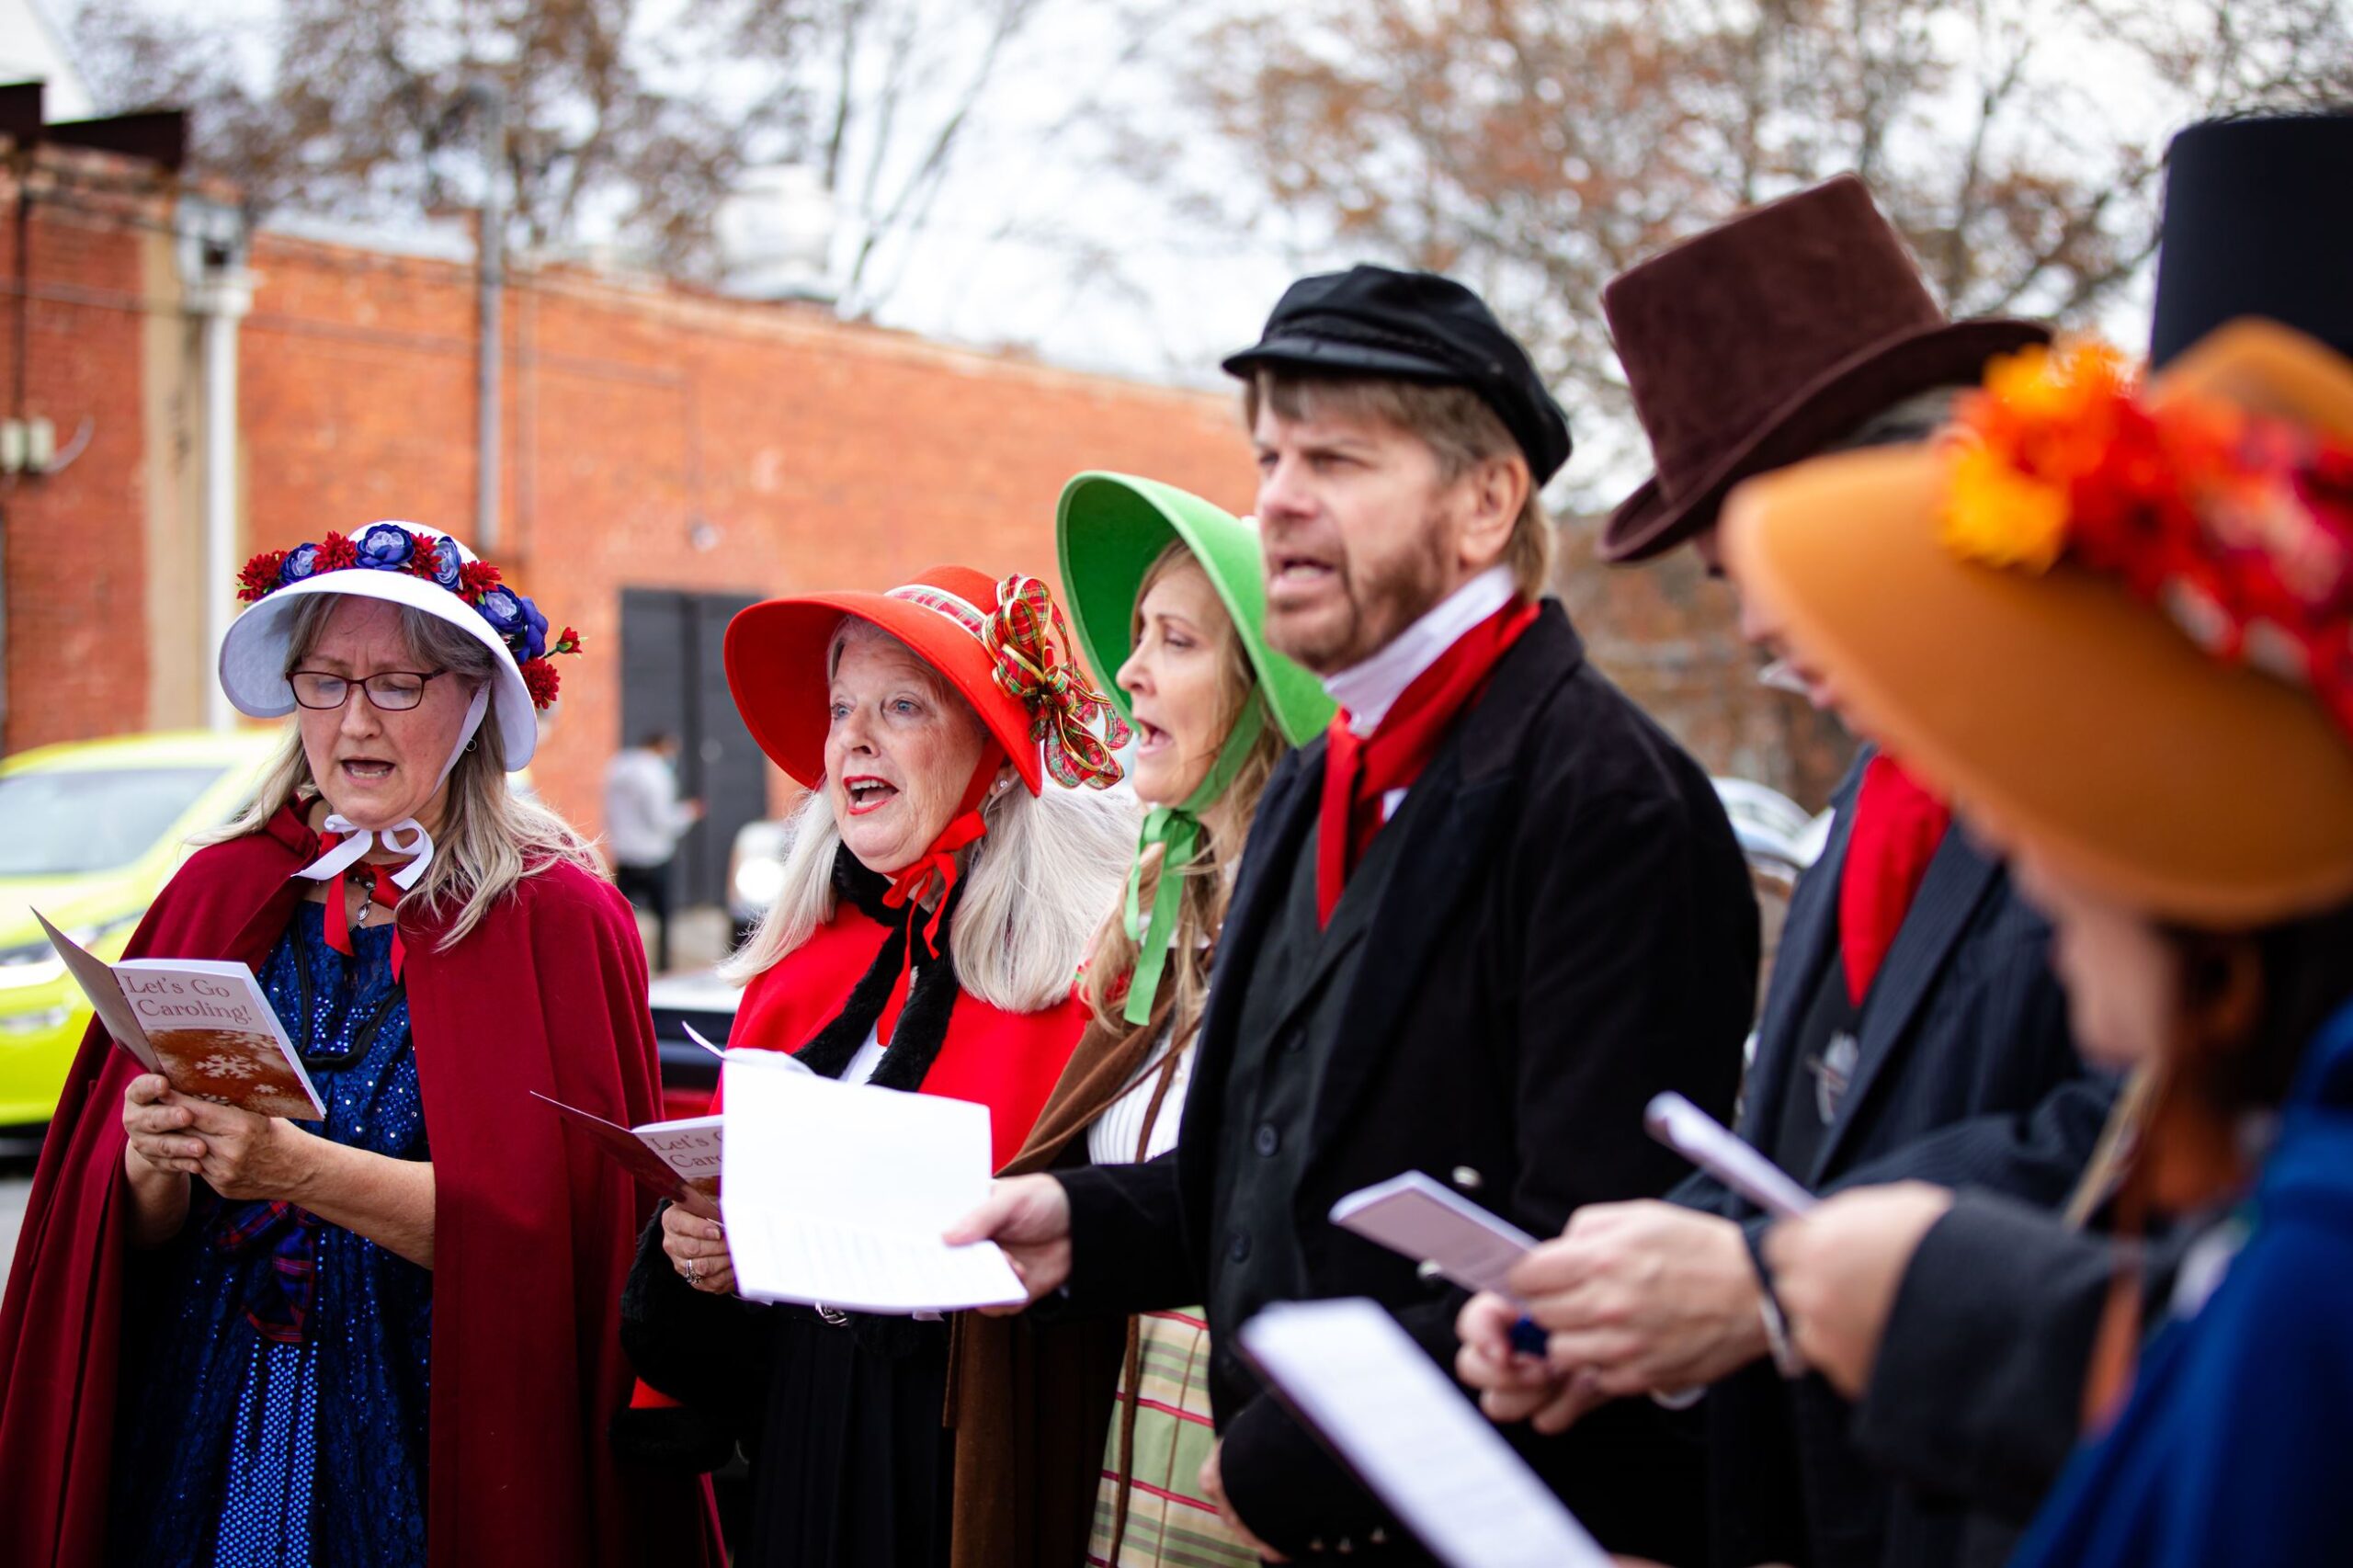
(1007, 1062)
(533, 1233)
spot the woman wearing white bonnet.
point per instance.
(386, 1338)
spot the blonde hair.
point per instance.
(490, 837)
(1033, 886)
(1452, 421)
(1201, 910)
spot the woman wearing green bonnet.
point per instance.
(1169, 601)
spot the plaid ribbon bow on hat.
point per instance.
(1025, 639)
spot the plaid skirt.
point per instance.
(1169, 1524)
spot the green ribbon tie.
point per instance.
(1178, 829)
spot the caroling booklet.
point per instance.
(679, 1160)
(203, 1023)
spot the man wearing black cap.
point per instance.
(1476, 927)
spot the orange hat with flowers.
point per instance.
(2115, 619)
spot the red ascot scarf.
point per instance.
(1358, 772)
(381, 891)
(937, 866)
(1898, 826)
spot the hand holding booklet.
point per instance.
(1408, 1433)
(838, 1194)
(680, 1160)
(204, 1024)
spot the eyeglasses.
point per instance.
(394, 691)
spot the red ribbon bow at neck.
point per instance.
(935, 867)
(343, 845)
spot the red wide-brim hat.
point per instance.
(775, 664)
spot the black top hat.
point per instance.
(1417, 326)
(2259, 222)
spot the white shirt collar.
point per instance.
(1369, 689)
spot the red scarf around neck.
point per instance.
(1358, 772)
(936, 867)
(1898, 826)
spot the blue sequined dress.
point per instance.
(272, 1401)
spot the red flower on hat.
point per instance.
(421, 561)
(259, 577)
(336, 554)
(2237, 524)
(476, 578)
(540, 680)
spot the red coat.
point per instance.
(1007, 1062)
(533, 1232)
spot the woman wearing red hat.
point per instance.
(949, 864)
(385, 1337)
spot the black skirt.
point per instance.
(851, 1467)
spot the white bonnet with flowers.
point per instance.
(424, 570)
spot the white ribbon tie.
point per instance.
(358, 841)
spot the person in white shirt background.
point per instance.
(644, 819)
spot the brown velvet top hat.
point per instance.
(2067, 712)
(1763, 340)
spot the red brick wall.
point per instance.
(653, 438)
(809, 454)
(71, 318)
(1669, 636)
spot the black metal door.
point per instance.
(673, 678)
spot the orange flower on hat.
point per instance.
(2044, 422)
(1996, 516)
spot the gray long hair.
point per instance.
(490, 837)
(1035, 886)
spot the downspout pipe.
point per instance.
(491, 283)
(219, 292)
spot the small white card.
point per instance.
(1409, 1433)
(1708, 1144)
(1430, 1223)
(836, 1195)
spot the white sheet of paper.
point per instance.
(836, 1194)
(1416, 1216)
(1401, 1424)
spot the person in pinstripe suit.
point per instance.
(1912, 1028)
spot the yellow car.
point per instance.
(89, 833)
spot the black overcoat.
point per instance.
(1968, 1077)
(1569, 930)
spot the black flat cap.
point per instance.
(1416, 326)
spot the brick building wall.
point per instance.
(1669, 636)
(657, 437)
(79, 318)
(653, 437)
